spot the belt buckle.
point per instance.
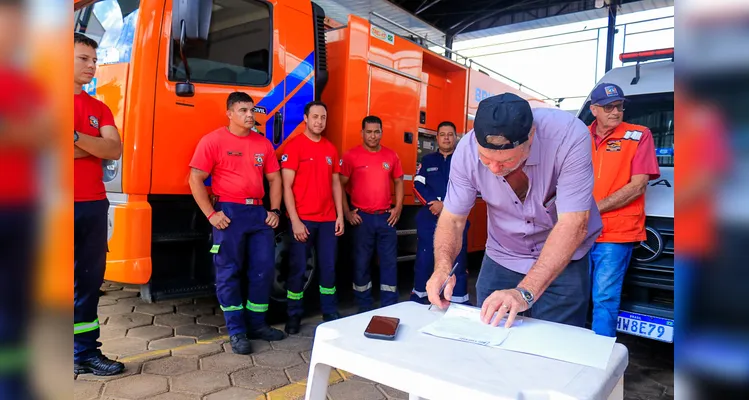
(249, 202)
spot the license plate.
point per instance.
(646, 326)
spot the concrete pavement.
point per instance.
(178, 350)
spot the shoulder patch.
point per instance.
(340, 162)
(633, 135)
(284, 158)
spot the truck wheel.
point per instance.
(283, 240)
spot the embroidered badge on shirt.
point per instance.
(329, 160)
(614, 145)
(259, 160)
(93, 121)
(386, 166)
(340, 162)
(284, 158)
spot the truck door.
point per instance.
(246, 50)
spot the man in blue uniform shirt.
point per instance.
(430, 186)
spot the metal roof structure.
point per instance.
(491, 17)
(339, 11)
(472, 19)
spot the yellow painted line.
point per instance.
(297, 390)
(149, 354)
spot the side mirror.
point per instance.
(196, 15)
(191, 20)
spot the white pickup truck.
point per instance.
(648, 295)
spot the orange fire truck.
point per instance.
(166, 68)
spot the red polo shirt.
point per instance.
(90, 116)
(370, 177)
(236, 164)
(19, 101)
(314, 164)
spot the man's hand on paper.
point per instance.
(434, 284)
(502, 302)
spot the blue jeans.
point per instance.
(564, 301)
(609, 262)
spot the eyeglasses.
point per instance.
(610, 107)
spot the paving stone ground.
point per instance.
(178, 350)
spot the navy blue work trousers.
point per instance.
(426, 223)
(90, 254)
(374, 232)
(247, 241)
(322, 237)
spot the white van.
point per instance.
(648, 295)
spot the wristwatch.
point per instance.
(276, 211)
(75, 136)
(527, 296)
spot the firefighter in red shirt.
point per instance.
(95, 139)
(366, 173)
(237, 159)
(312, 193)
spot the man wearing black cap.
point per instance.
(533, 169)
(624, 161)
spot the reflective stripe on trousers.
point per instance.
(363, 288)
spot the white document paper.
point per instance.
(464, 324)
(530, 336)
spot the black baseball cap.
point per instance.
(507, 115)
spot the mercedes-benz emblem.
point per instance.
(650, 248)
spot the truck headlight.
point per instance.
(111, 169)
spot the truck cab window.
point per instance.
(656, 111)
(238, 49)
(112, 24)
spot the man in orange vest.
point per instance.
(623, 162)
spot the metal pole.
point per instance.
(598, 47)
(610, 35)
(449, 44)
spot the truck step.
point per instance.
(179, 237)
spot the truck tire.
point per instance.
(282, 242)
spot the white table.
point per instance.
(432, 368)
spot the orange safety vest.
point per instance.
(612, 168)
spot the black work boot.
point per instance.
(266, 333)
(100, 366)
(293, 325)
(240, 344)
(330, 317)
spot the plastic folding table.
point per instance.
(433, 368)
